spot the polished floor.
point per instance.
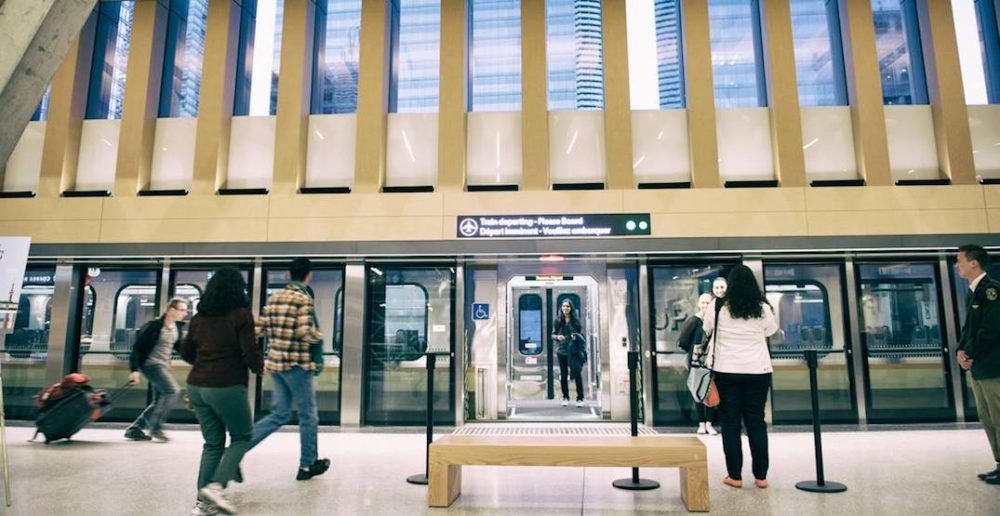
(887, 472)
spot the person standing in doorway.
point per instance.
(567, 324)
(979, 346)
(693, 336)
(152, 353)
(288, 321)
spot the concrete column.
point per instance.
(142, 96)
(454, 97)
(35, 36)
(67, 106)
(534, 98)
(215, 106)
(864, 90)
(373, 96)
(946, 92)
(702, 138)
(292, 121)
(782, 93)
(617, 102)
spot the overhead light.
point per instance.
(376, 271)
(552, 258)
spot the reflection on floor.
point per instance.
(553, 410)
(927, 472)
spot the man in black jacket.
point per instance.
(152, 352)
(979, 346)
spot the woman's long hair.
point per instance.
(743, 297)
(573, 321)
(225, 292)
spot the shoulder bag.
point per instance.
(700, 381)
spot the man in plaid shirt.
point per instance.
(288, 321)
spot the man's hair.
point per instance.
(976, 253)
(176, 302)
(299, 269)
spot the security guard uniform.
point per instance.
(981, 342)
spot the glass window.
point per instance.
(574, 50)
(819, 55)
(337, 47)
(259, 58)
(410, 311)
(496, 55)
(529, 323)
(26, 347)
(737, 53)
(655, 59)
(977, 48)
(182, 58)
(416, 56)
(41, 113)
(900, 58)
(106, 93)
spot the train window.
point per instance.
(529, 321)
(899, 312)
(26, 346)
(802, 310)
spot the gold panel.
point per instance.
(51, 208)
(453, 98)
(185, 230)
(992, 196)
(901, 222)
(54, 231)
(373, 96)
(881, 198)
(699, 85)
(783, 94)
(716, 200)
(740, 224)
(993, 220)
(354, 229)
(292, 120)
(356, 205)
(534, 98)
(617, 103)
(189, 207)
(502, 203)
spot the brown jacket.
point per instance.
(221, 349)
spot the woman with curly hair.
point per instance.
(742, 369)
(221, 347)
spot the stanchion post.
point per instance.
(820, 485)
(635, 483)
(421, 478)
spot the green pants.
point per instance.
(987, 394)
(218, 410)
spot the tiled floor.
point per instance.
(900, 472)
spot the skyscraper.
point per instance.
(574, 46)
(669, 58)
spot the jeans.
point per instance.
(166, 392)
(743, 398)
(295, 385)
(575, 373)
(220, 409)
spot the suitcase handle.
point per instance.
(119, 391)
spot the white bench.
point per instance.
(448, 454)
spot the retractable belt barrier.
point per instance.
(635, 483)
(820, 485)
(421, 478)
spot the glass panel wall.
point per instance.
(337, 48)
(977, 50)
(808, 302)
(25, 348)
(182, 58)
(106, 91)
(328, 293)
(900, 58)
(575, 54)
(410, 311)
(905, 368)
(416, 56)
(495, 68)
(41, 113)
(960, 299)
(675, 290)
(655, 57)
(737, 53)
(120, 302)
(819, 54)
(258, 58)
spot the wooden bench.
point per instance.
(448, 454)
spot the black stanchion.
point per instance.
(635, 483)
(421, 478)
(820, 485)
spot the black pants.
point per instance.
(743, 398)
(705, 414)
(575, 373)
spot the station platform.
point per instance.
(911, 471)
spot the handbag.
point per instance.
(700, 381)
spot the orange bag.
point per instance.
(712, 400)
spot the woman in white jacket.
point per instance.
(742, 364)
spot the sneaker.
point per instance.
(984, 476)
(159, 436)
(565, 403)
(212, 494)
(318, 468)
(579, 403)
(203, 509)
(135, 434)
(711, 430)
(701, 429)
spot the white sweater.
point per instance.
(742, 343)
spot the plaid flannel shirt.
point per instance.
(288, 324)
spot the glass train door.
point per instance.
(533, 371)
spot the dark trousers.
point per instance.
(564, 382)
(705, 414)
(743, 398)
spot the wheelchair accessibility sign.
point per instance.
(480, 311)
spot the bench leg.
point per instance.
(444, 484)
(694, 488)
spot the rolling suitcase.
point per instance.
(66, 415)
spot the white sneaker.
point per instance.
(212, 493)
(203, 509)
(702, 429)
(565, 403)
(579, 404)
(711, 431)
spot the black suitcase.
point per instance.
(66, 416)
